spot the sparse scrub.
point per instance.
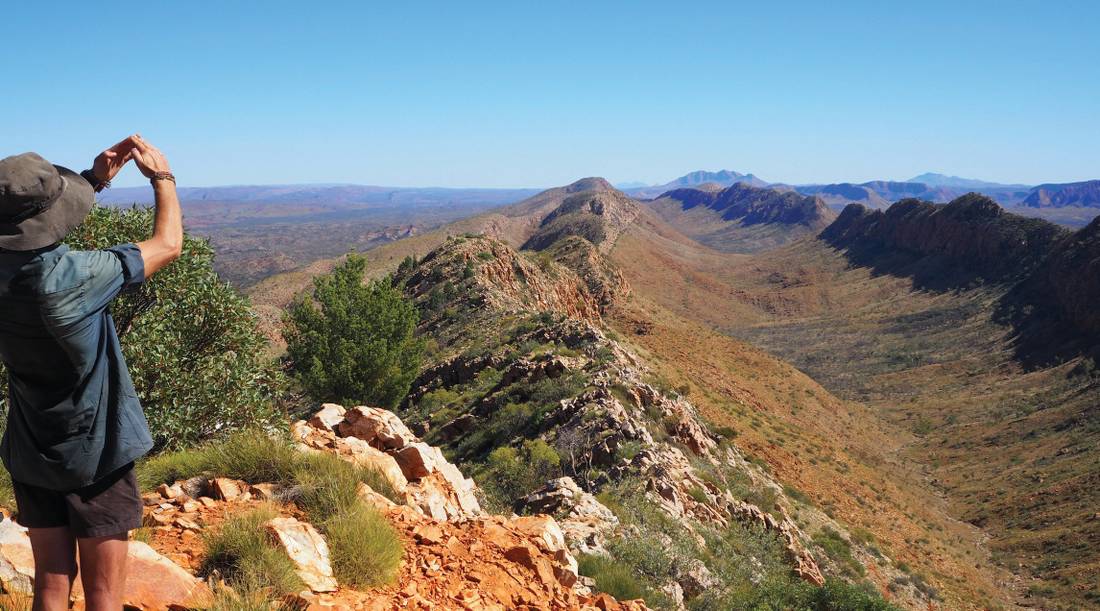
(511, 473)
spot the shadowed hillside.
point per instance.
(742, 218)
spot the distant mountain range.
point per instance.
(723, 178)
(327, 194)
(933, 179)
(1078, 194)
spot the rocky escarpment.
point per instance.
(598, 216)
(755, 206)
(551, 413)
(1048, 273)
(971, 237)
(1082, 194)
(1055, 307)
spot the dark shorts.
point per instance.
(110, 506)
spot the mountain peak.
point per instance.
(592, 183)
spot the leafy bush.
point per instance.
(191, 342)
(352, 342)
(511, 473)
(838, 548)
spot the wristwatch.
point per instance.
(96, 183)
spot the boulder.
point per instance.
(16, 561)
(372, 498)
(361, 453)
(154, 582)
(378, 427)
(225, 489)
(328, 417)
(418, 459)
(307, 549)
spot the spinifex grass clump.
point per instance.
(365, 549)
(244, 555)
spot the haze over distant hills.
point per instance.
(942, 180)
(264, 229)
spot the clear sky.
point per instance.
(541, 93)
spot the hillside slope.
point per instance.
(742, 218)
(946, 321)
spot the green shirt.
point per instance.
(73, 414)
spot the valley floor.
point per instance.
(975, 466)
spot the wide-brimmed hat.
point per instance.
(39, 202)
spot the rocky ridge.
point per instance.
(972, 229)
(456, 555)
(616, 432)
(755, 205)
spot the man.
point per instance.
(75, 426)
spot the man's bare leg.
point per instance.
(54, 552)
(103, 571)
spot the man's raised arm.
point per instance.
(167, 241)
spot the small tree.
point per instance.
(353, 342)
(194, 351)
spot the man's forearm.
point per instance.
(167, 241)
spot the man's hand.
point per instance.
(148, 158)
(108, 163)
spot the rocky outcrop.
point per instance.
(499, 279)
(585, 522)
(598, 216)
(970, 237)
(751, 205)
(458, 559)
(377, 438)
(605, 282)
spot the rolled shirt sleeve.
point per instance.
(111, 271)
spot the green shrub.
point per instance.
(511, 473)
(190, 340)
(838, 548)
(243, 554)
(618, 580)
(352, 342)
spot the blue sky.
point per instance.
(541, 93)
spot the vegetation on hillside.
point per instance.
(353, 342)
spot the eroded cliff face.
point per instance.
(1050, 276)
(972, 231)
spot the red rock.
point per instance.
(226, 489)
(309, 551)
(328, 417)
